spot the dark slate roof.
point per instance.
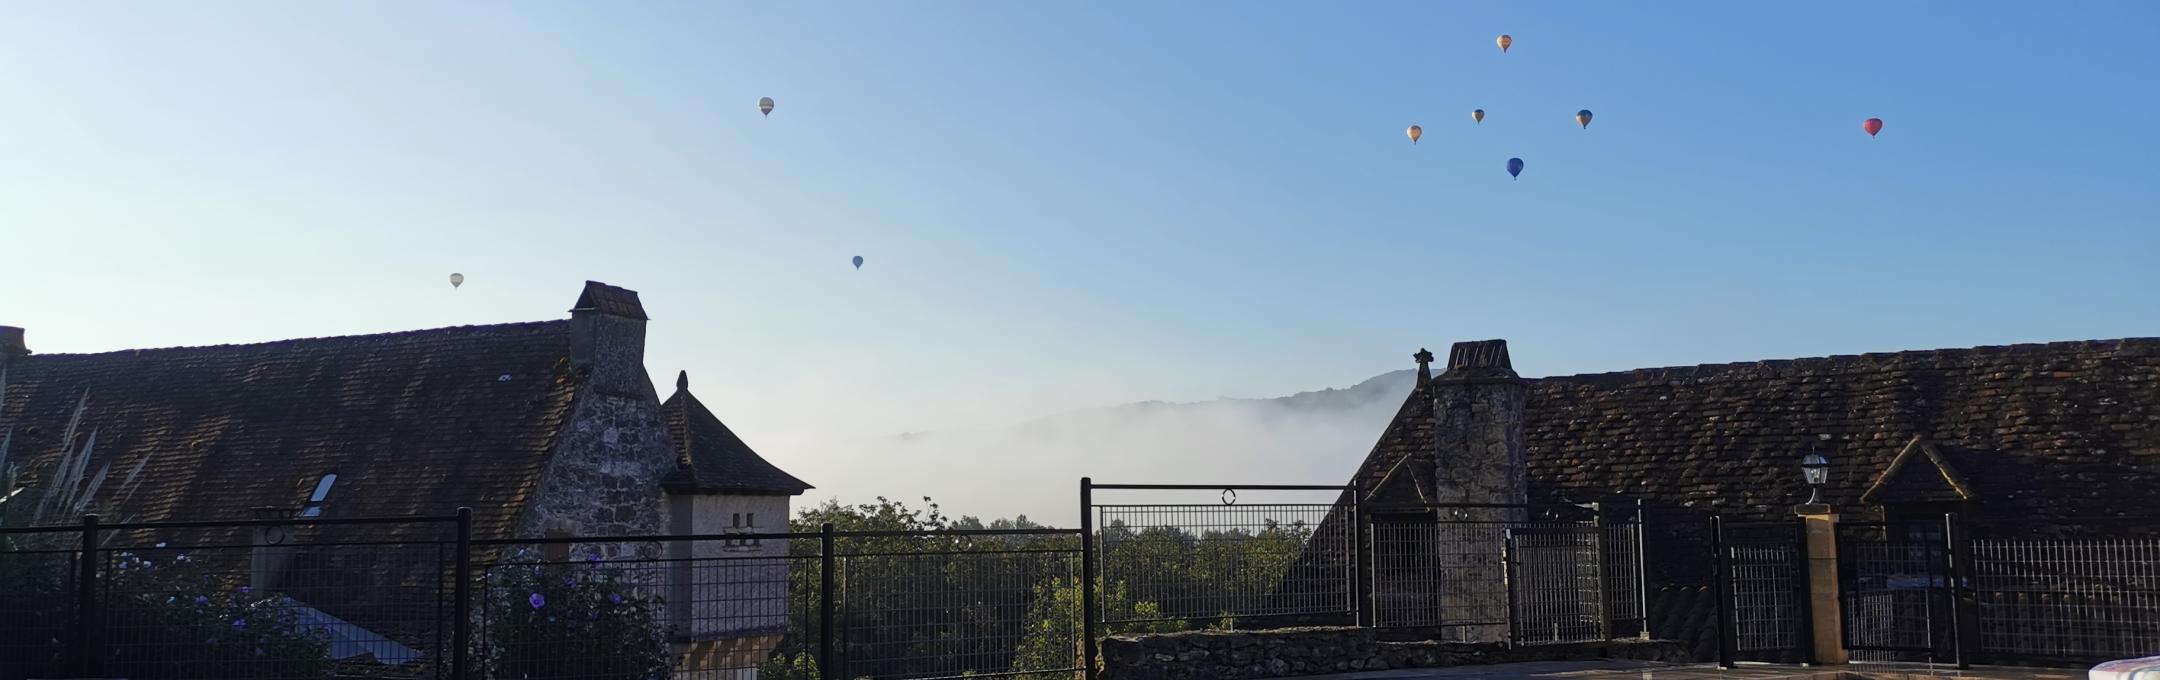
(712, 458)
(417, 422)
(2052, 431)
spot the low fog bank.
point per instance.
(1034, 468)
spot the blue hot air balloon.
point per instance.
(1514, 167)
(858, 262)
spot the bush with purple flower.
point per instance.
(572, 621)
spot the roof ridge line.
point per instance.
(514, 325)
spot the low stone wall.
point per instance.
(1286, 652)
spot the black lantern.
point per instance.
(1815, 469)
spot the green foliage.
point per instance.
(795, 666)
(189, 622)
(573, 621)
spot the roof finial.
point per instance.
(682, 381)
(1424, 359)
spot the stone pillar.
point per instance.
(1478, 458)
(1827, 618)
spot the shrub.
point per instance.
(573, 621)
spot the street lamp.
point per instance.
(1816, 469)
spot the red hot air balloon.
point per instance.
(1872, 126)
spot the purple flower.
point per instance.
(201, 600)
(593, 558)
(246, 589)
(537, 601)
(615, 598)
(239, 623)
(567, 581)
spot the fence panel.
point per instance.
(2071, 600)
(701, 608)
(1766, 565)
(37, 602)
(979, 605)
(1894, 583)
(1527, 575)
(1225, 563)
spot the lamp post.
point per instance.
(1815, 469)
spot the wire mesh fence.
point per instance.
(1894, 586)
(2073, 599)
(1496, 574)
(1228, 563)
(997, 604)
(702, 608)
(39, 570)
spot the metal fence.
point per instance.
(2093, 594)
(1520, 574)
(1235, 561)
(417, 598)
(1762, 594)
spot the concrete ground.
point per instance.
(1614, 669)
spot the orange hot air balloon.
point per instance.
(1477, 115)
(1416, 132)
(1872, 126)
(1504, 41)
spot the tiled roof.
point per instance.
(2052, 431)
(417, 422)
(713, 459)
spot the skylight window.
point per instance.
(315, 500)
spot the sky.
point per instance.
(1072, 205)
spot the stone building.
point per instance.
(2054, 434)
(2061, 431)
(548, 428)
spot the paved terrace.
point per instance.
(1615, 669)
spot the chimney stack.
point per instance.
(1424, 359)
(1478, 410)
(11, 345)
(607, 340)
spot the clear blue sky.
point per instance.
(1074, 204)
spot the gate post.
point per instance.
(1825, 610)
(1088, 650)
(1721, 588)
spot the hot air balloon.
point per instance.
(1872, 126)
(1416, 132)
(764, 105)
(1504, 41)
(1477, 115)
(1514, 167)
(858, 262)
(457, 280)
(1583, 117)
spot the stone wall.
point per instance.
(605, 475)
(1246, 655)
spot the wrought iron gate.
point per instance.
(1896, 582)
(1761, 591)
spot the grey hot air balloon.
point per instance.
(858, 262)
(764, 105)
(457, 280)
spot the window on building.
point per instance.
(313, 508)
(741, 523)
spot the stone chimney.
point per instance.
(1424, 366)
(1478, 427)
(11, 344)
(608, 341)
(1478, 410)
